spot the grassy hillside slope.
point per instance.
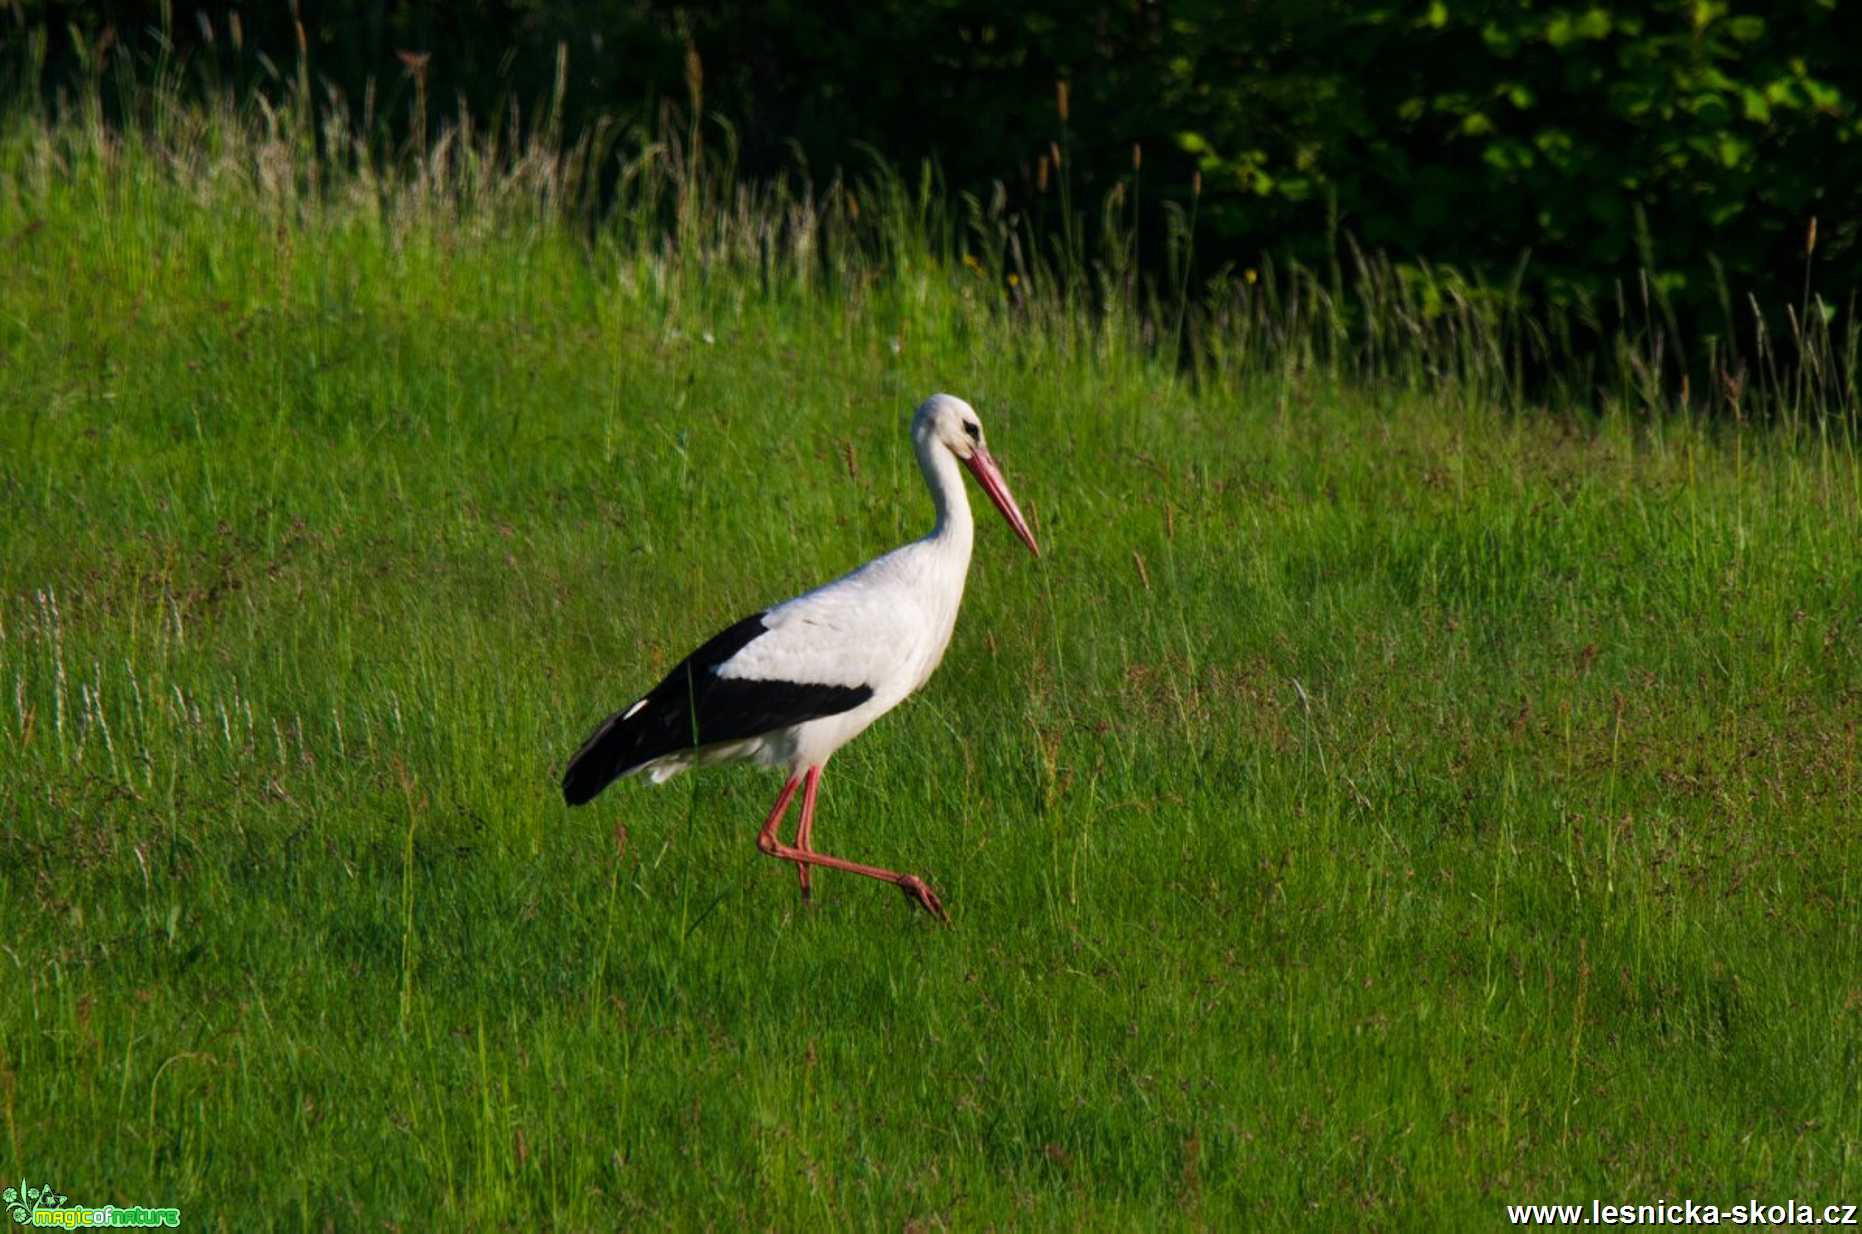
(1377, 805)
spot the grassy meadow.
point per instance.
(1387, 798)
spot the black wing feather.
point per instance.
(695, 707)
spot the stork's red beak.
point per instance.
(990, 477)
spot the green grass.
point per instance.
(1381, 803)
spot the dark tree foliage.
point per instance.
(1677, 137)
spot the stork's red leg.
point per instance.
(802, 833)
(914, 887)
(777, 811)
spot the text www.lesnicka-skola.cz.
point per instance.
(1681, 1212)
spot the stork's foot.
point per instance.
(918, 893)
(804, 855)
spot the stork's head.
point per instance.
(948, 421)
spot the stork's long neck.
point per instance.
(955, 529)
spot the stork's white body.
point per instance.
(885, 625)
(789, 686)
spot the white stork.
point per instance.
(789, 686)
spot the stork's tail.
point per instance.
(615, 748)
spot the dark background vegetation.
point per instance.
(1557, 153)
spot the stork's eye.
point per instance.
(973, 429)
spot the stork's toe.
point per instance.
(920, 894)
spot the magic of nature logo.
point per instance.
(43, 1207)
